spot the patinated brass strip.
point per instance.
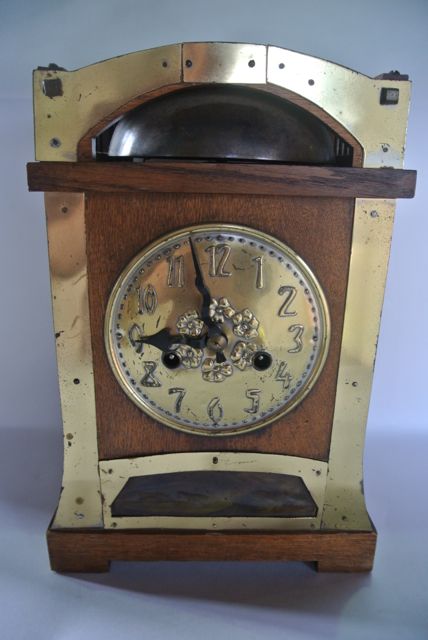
(344, 501)
(80, 500)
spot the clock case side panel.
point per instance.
(344, 507)
(80, 499)
(120, 225)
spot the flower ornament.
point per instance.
(190, 357)
(242, 354)
(190, 324)
(213, 371)
(220, 309)
(245, 324)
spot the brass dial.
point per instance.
(217, 329)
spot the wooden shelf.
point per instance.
(232, 178)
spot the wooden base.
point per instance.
(92, 550)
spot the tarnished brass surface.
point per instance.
(92, 93)
(344, 502)
(264, 299)
(115, 474)
(229, 62)
(79, 504)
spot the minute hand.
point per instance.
(213, 328)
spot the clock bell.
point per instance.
(219, 220)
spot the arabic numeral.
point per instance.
(135, 334)
(283, 375)
(175, 271)
(149, 379)
(290, 293)
(218, 253)
(298, 330)
(215, 410)
(179, 399)
(254, 396)
(259, 277)
(147, 300)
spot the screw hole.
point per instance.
(76, 381)
(189, 63)
(252, 63)
(311, 82)
(64, 209)
(55, 143)
(215, 460)
(164, 64)
(48, 115)
(281, 65)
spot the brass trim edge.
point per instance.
(115, 473)
(80, 499)
(344, 500)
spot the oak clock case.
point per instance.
(215, 214)
(217, 304)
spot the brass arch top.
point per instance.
(69, 104)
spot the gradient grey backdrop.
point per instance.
(193, 601)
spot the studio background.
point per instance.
(202, 600)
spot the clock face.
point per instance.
(217, 329)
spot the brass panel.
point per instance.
(344, 501)
(80, 501)
(115, 473)
(351, 98)
(224, 62)
(92, 93)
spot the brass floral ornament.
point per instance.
(213, 371)
(190, 324)
(245, 324)
(221, 309)
(243, 354)
(190, 357)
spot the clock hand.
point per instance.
(164, 340)
(202, 288)
(213, 330)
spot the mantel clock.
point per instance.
(219, 219)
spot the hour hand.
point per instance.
(161, 340)
(164, 340)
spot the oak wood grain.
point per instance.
(119, 226)
(211, 177)
(92, 551)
